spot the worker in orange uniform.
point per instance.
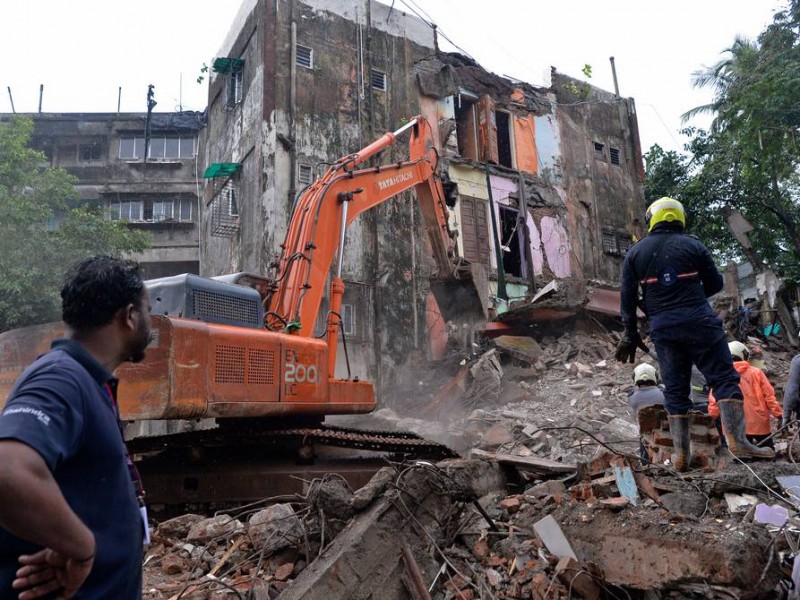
(759, 396)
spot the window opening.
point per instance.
(599, 151)
(234, 86)
(304, 174)
(305, 56)
(349, 319)
(232, 200)
(511, 239)
(614, 154)
(505, 156)
(466, 127)
(378, 79)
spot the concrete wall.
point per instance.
(291, 116)
(603, 196)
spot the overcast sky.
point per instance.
(84, 50)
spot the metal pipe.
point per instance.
(41, 93)
(614, 73)
(293, 110)
(340, 262)
(119, 99)
(10, 97)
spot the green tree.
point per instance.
(750, 158)
(44, 230)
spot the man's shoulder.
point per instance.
(55, 366)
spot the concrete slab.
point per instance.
(365, 560)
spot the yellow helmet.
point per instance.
(645, 372)
(739, 351)
(665, 209)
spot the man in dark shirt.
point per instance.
(70, 522)
(676, 275)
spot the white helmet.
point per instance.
(644, 372)
(739, 351)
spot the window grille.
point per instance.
(305, 56)
(225, 209)
(616, 244)
(89, 152)
(378, 79)
(304, 174)
(614, 153)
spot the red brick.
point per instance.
(511, 504)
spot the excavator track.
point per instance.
(406, 443)
(234, 464)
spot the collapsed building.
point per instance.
(546, 181)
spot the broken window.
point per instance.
(511, 240)
(305, 56)
(466, 126)
(378, 79)
(599, 151)
(89, 152)
(304, 174)
(475, 229)
(614, 154)
(504, 151)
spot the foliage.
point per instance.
(43, 230)
(203, 70)
(749, 158)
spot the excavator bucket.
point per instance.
(465, 299)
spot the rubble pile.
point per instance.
(609, 528)
(553, 501)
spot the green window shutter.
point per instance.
(225, 64)
(221, 170)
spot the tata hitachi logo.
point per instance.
(391, 181)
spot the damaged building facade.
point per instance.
(547, 180)
(153, 189)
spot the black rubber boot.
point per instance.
(679, 430)
(732, 413)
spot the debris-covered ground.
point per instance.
(552, 501)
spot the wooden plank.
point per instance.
(534, 463)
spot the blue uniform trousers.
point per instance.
(700, 342)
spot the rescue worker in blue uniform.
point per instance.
(676, 275)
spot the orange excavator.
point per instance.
(246, 351)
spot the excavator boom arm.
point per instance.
(317, 228)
